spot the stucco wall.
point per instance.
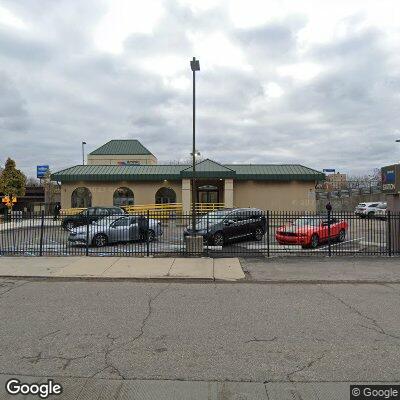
(114, 159)
(285, 196)
(279, 196)
(102, 192)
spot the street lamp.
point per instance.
(83, 153)
(195, 66)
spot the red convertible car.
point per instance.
(309, 232)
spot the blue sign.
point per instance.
(328, 170)
(388, 176)
(41, 171)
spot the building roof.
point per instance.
(121, 147)
(205, 169)
(209, 169)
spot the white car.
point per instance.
(380, 212)
(367, 210)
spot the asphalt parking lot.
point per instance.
(365, 236)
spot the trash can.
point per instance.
(194, 245)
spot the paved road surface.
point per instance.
(242, 337)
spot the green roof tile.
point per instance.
(205, 169)
(121, 147)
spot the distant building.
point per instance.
(336, 181)
(123, 172)
(33, 200)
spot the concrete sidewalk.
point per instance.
(323, 270)
(224, 269)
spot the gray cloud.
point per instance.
(57, 89)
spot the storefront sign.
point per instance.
(41, 171)
(391, 179)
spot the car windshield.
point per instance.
(106, 220)
(307, 222)
(213, 217)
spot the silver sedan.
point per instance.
(116, 229)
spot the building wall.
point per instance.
(102, 192)
(285, 196)
(279, 196)
(115, 159)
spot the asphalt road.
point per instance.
(275, 334)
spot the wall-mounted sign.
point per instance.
(129, 162)
(41, 171)
(391, 179)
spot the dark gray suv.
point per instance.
(222, 226)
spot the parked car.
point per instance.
(89, 215)
(114, 229)
(381, 211)
(219, 227)
(309, 232)
(367, 210)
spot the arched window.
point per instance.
(165, 195)
(81, 198)
(123, 196)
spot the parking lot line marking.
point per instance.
(337, 244)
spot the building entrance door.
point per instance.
(207, 194)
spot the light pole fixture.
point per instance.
(195, 66)
(83, 153)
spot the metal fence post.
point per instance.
(147, 234)
(389, 232)
(207, 236)
(267, 233)
(329, 234)
(41, 232)
(87, 233)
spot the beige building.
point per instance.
(112, 177)
(121, 152)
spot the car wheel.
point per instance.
(371, 214)
(218, 239)
(314, 241)
(69, 225)
(258, 234)
(342, 235)
(151, 235)
(100, 240)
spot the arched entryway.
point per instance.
(81, 197)
(165, 195)
(123, 196)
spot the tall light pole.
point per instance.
(195, 66)
(83, 153)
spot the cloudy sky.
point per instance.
(315, 82)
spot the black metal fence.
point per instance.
(249, 233)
